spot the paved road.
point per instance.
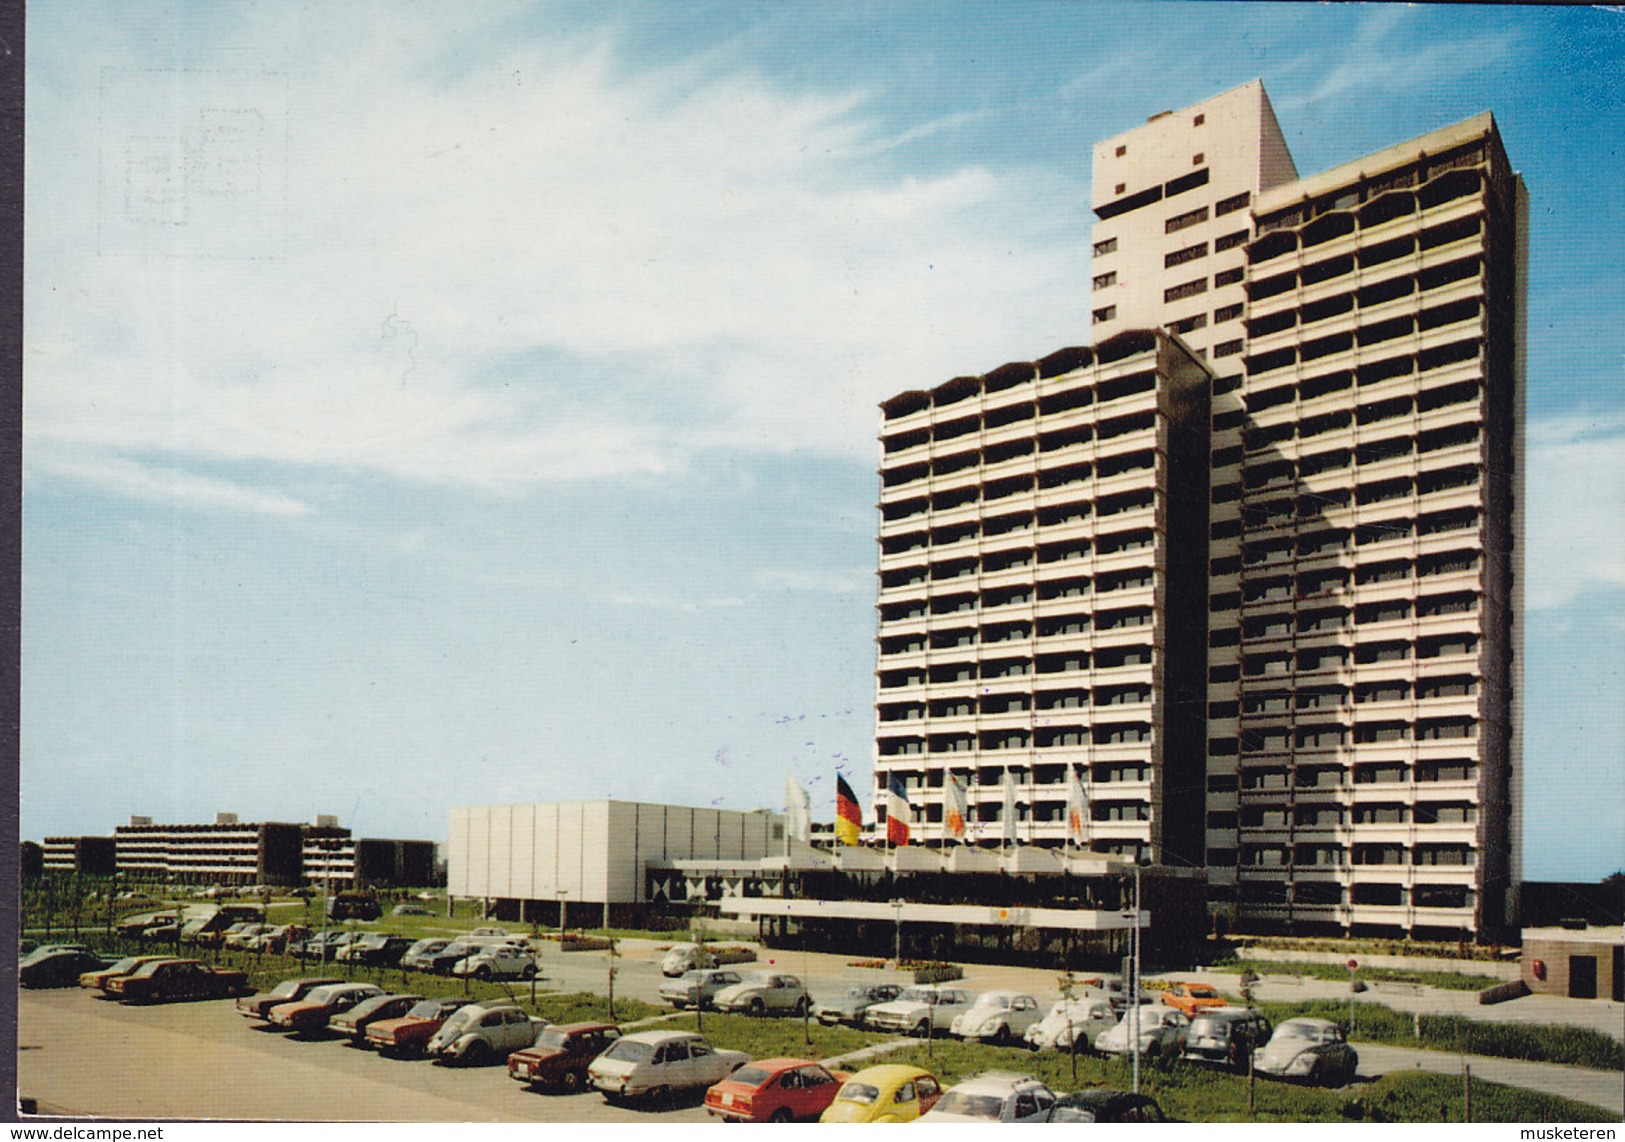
(82, 1057)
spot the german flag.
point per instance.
(848, 816)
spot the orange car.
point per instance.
(775, 1090)
(1192, 997)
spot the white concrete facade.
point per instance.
(593, 851)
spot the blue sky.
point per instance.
(433, 405)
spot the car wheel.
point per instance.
(476, 1053)
(922, 1029)
(1153, 1049)
(660, 1096)
(483, 972)
(570, 1081)
(803, 1005)
(782, 1114)
(1001, 1036)
(757, 1007)
(528, 972)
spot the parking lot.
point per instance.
(79, 1056)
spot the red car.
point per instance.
(410, 1034)
(309, 1015)
(164, 980)
(561, 1054)
(259, 1006)
(1192, 997)
(775, 1090)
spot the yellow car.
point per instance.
(98, 979)
(890, 1092)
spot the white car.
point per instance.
(680, 958)
(496, 960)
(764, 993)
(1162, 1031)
(996, 1096)
(484, 1032)
(653, 1064)
(920, 1010)
(1001, 1017)
(1070, 1021)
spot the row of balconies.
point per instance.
(1284, 398)
(1064, 387)
(962, 468)
(1429, 308)
(899, 449)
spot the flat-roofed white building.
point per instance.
(593, 852)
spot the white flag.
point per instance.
(797, 810)
(1008, 814)
(1077, 807)
(954, 809)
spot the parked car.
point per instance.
(890, 1092)
(681, 958)
(1314, 1050)
(323, 946)
(853, 1002)
(353, 906)
(1001, 1017)
(1226, 1035)
(96, 979)
(775, 1090)
(353, 1023)
(1103, 1105)
(496, 960)
(698, 988)
(1115, 989)
(243, 937)
(1072, 1021)
(278, 939)
(655, 1064)
(59, 968)
(484, 1032)
(560, 1055)
(1192, 997)
(309, 1014)
(418, 956)
(410, 1033)
(1162, 1031)
(919, 1010)
(165, 980)
(764, 993)
(441, 962)
(259, 1006)
(994, 1096)
(378, 949)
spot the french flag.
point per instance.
(897, 813)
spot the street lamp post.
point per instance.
(897, 932)
(564, 912)
(1134, 983)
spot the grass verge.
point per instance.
(1450, 981)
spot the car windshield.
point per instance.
(1217, 1028)
(553, 1039)
(916, 995)
(1296, 1031)
(758, 979)
(428, 1009)
(751, 1076)
(629, 1051)
(694, 977)
(858, 991)
(123, 965)
(323, 994)
(972, 1105)
(859, 1092)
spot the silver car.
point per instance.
(697, 988)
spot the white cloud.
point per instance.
(168, 485)
(1575, 521)
(335, 263)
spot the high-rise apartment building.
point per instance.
(1362, 332)
(1042, 596)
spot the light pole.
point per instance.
(1134, 982)
(564, 912)
(897, 930)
